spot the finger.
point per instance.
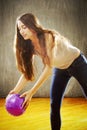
(23, 104)
(11, 92)
(26, 105)
(22, 95)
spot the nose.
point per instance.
(21, 31)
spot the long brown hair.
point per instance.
(25, 49)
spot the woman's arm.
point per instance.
(44, 76)
(21, 83)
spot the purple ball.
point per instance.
(14, 103)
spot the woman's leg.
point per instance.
(58, 85)
(79, 71)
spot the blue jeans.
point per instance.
(60, 78)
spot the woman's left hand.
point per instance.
(28, 96)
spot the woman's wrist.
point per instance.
(13, 91)
(31, 92)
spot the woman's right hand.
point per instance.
(12, 92)
(27, 95)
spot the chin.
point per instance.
(25, 38)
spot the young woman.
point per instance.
(60, 58)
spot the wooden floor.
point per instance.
(36, 117)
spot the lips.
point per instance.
(24, 35)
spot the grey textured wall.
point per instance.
(69, 17)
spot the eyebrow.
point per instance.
(21, 26)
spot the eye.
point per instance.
(24, 27)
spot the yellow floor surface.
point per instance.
(37, 115)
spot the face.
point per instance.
(24, 31)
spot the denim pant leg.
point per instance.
(58, 85)
(79, 70)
